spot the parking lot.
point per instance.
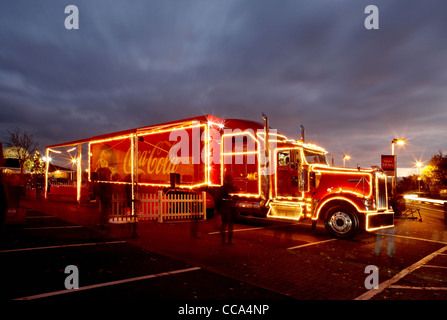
(34, 258)
(269, 260)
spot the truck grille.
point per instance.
(381, 191)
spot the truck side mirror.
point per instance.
(294, 159)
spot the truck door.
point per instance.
(286, 178)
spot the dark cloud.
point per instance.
(135, 63)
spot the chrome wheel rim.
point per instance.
(341, 222)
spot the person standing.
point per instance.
(105, 195)
(226, 208)
(3, 200)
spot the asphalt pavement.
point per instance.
(270, 261)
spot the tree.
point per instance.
(434, 174)
(22, 145)
(2, 159)
(409, 183)
(37, 166)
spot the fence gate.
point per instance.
(159, 207)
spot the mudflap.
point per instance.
(379, 220)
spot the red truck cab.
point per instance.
(345, 199)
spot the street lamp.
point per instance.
(419, 165)
(345, 156)
(399, 142)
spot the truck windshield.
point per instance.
(314, 157)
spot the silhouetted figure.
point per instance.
(226, 208)
(390, 247)
(105, 195)
(3, 194)
(3, 199)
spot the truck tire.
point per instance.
(341, 221)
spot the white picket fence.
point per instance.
(159, 207)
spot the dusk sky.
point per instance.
(141, 62)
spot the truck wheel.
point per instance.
(341, 222)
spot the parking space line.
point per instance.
(62, 246)
(238, 230)
(40, 217)
(372, 292)
(106, 284)
(255, 228)
(432, 266)
(310, 244)
(414, 238)
(417, 288)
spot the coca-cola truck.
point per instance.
(274, 176)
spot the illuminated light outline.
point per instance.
(301, 204)
(127, 136)
(376, 186)
(367, 228)
(342, 170)
(219, 125)
(166, 125)
(151, 132)
(356, 172)
(284, 217)
(367, 213)
(287, 204)
(337, 198)
(89, 156)
(79, 173)
(275, 152)
(146, 184)
(298, 146)
(222, 154)
(273, 134)
(206, 155)
(132, 169)
(311, 146)
(47, 166)
(194, 124)
(239, 153)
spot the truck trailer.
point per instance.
(275, 177)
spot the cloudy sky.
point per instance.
(140, 62)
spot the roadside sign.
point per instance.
(388, 163)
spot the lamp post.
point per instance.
(345, 156)
(419, 165)
(399, 142)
